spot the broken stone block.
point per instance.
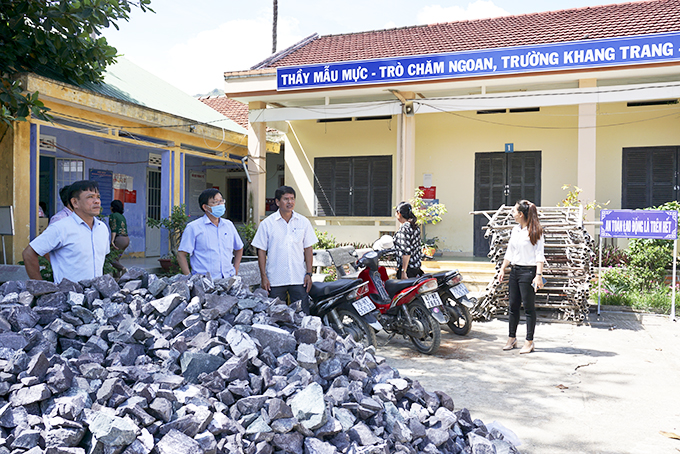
(166, 304)
(175, 442)
(106, 285)
(112, 430)
(194, 364)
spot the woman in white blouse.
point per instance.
(525, 254)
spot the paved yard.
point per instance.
(607, 386)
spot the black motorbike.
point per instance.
(344, 306)
(457, 305)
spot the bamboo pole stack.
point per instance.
(568, 269)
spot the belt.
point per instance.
(524, 267)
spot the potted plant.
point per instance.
(175, 225)
(427, 212)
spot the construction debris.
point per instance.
(195, 366)
(568, 269)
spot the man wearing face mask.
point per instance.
(211, 241)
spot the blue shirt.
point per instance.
(211, 246)
(76, 251)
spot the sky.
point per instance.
(190, 44)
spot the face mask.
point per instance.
(218, 210)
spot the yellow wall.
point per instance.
(15, 165)
(618, 127)
(446, 144)
(307, 140)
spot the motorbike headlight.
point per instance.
(455, 280)
(429, 285)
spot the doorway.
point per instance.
(153, 211)
(236, 199)
(503, 179)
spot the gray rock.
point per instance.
(175, 442)
(241, 343)
(235, 368)
(180, 288)
(194, 364)
(38, 288)
(63, 436)
(279, 340)
(112, 430)
(106, 285)
(161, 408)
(75, 299)
(166, 304)
(26, 439)
(177, 315)
(21, 317)
(30, 395)
(56, 300)
(289, 442)
(308, 406)
(362, 435)
(316, 446)
(156, 287)
(38, 366)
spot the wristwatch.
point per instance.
(308, 274)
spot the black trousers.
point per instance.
(520, 291)
(295, 292)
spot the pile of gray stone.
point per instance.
(190, 366)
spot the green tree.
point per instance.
(56, 39)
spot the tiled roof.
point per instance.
(231, 108)
(610, 21)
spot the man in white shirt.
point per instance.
(77, 244)
(284, 242)
(211, 241)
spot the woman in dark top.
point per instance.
(407, 243)
(119, 234)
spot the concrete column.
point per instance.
(406, 158)
(587, 147)
(257, 165)
(15, 185)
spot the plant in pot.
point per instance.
(175, 225)
(427, 212)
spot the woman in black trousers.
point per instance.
(525, 254)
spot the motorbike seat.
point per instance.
(444, 276)
(321, 290)
(394, 286)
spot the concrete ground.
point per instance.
(607, 386)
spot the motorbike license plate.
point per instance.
(459, 290)
(432, 300)
(364, 305)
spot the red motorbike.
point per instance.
(410, 307)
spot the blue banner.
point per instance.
(651, 224)
(633, 50)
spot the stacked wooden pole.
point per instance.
(568, 269)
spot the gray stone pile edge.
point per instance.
(191, 365)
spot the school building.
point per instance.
(482, 113)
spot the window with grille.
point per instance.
(650, 176)
(68, 171)
(353, 186)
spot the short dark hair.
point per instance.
(206, 195)
(63, 195)
(283, 190)
(78, 187)
(117, 207)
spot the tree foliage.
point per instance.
(59, 39)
